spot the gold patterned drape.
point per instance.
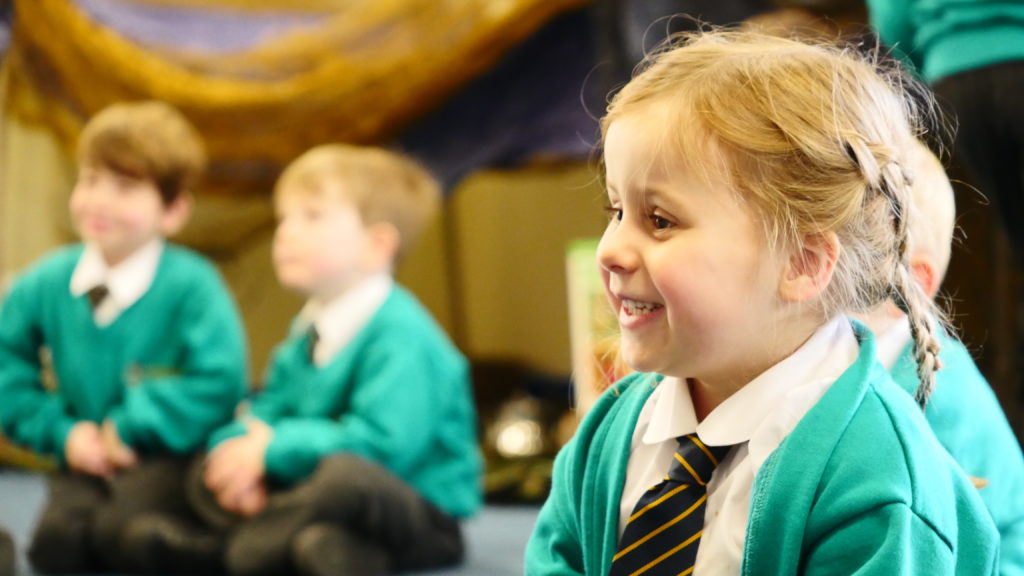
(360, 75)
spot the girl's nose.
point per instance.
(616, 252)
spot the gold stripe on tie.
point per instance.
(662, 535)
(660, 529)
(671, 493)
(658, 560)
(705, 450)
(690, 470)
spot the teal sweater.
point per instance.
(946, 37)
(167, 371)
(860, 486)
(969, 423)
(399, 395)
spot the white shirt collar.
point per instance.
(126, 282)
(339, 320)
(889, 345)
(736, 419)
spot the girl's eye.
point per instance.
(659, 222)
(613, 213)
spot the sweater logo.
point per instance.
(135, 374)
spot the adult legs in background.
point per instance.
(350, 515)
(8, 554)
(990, 147)
(990, 139)
(62, 542)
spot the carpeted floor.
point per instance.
(496, 537)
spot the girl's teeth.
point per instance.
(634, 308)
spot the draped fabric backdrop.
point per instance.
(265, 80)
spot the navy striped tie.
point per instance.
(96, 295)
(662, 534)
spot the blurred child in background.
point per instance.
(143, 338)
(360, 456)
(962, 411)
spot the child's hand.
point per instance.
(118, 453)
(254, 501)
(84, 450)
(235, 470)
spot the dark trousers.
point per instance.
(350, 517)
(80, 529)
(990, 140)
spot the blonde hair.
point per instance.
(384, 186)
(148, 140)
(815, 138)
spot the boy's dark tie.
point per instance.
(312, 339)
(662, 534)
(96, 295)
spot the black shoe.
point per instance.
(160, 544)
(327, 550)
(8, 554)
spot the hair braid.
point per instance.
(908, 294)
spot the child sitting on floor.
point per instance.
(360, 456)
(143, 338)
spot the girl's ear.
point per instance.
(176, 214)
(809, 270)
(922, 266)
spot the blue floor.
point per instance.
(496, 537)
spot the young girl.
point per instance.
(757, 193)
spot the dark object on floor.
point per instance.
(8, 555)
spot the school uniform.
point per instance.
(858, 484)
(966, 417)
(161, 355)
(374, 435)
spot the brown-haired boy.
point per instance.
(142, 336)
(360, 456)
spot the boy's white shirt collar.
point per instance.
(889, 345)
(339, 320)
(736, 419)
(126, 282)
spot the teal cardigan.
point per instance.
(168, 371)
(859, 486)
(969, 423)
(399, 395)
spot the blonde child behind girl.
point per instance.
(963, 411)
(757, 194)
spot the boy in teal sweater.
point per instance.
(360, 456)
(142, 339)
(963, 412)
